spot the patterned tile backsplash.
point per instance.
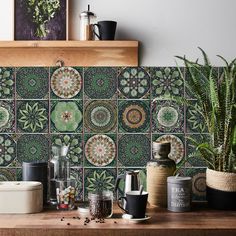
(106, 115)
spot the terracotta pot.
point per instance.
(221, 190)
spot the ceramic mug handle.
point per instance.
(120, 205)
(94, 25)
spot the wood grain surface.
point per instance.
(72, 53)
(198, 222)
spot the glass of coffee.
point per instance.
(101, 204)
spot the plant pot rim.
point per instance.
(220, 172)
(219, 180)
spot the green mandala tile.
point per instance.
(167, 117)
(7, 174)
(18, 174)
(7, 150)
(7, 117)
(99, 179)
(32, 116)
(100, 116)
(100, 150)
(6, 83)
(194, 158)
(177, 141)
(134, 116)
(194, 120)
(77, 175)
(198, 183)
(66, 82)
(134, 150)
(32, 82)
(166, 81)
(100, 83)
(74, 142)
(66, 116)
(134, 82)
(32, 147)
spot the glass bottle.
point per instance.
(59, 168)
(87, 19)
(64, 164)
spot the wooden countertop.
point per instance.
(198, 222)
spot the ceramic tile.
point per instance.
(134, 116)
(66, 82)
(194, 120)
(75, 143)
(134, 150)
(198, 183)
(99, 179)
(32, 147)
(7, 83)
(7, 174)
(133, 83)
(177, 141)
(100, 83)
(167, 81)
(7, 149)
(194, 158)
(100, 150)
(7, 117)
(167, 116)
(32, 82)
(106, 117)
(77, 175)
(32, 116)
(100, 116)
(66, 116)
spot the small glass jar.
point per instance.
(101, 204)
(65, 190)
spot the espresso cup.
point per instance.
(106, 30)
(135, 203)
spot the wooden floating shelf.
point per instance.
(72, 53)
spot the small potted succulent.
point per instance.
(216, 99)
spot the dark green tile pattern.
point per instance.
(109, 122)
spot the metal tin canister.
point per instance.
(179, 191)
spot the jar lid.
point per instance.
(35, 163)
(178, 179)
(20, 186)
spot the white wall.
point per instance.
(171, 27)
(164, 27)
(6, 19)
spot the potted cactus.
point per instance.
(216, 98)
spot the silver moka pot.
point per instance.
(131, 182)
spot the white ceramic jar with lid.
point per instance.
(21, 197)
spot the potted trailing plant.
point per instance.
(216, 103)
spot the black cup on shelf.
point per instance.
(36, 171)
(106, 30)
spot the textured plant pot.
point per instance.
(221, 190)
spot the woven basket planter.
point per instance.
(221, 190)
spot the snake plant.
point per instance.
(41, 12)
(216, 98)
